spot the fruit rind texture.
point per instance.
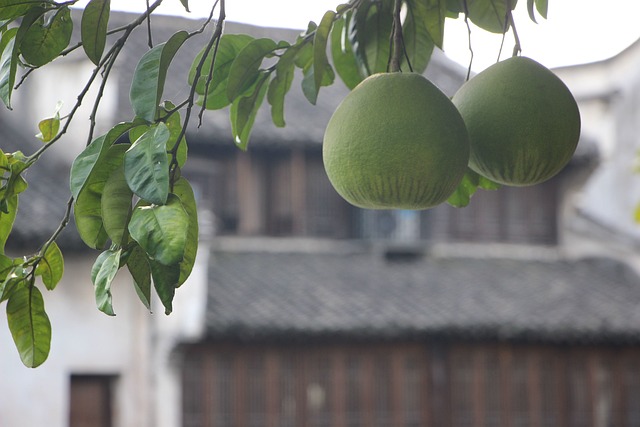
(395, 142)
(523, 122)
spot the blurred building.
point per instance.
(519, 310)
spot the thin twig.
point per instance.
(466, 21)
(396, 39)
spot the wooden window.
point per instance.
(90, 401)
(510, 214)
(294, 386)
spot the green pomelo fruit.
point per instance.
(395, 142)
(523, 122)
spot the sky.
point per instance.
(576, 31)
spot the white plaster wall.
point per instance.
(136, 345)
(83, 341)
(608, 94)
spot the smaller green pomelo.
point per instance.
(523, 122)
(395, 142)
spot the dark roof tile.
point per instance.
(360, 294)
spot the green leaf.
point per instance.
(8, 65)
(185, 4)
(418, 40)
(95, 21)
(11, 9)
(540, 5)
(161, 230)
(245, 70)
(88, 204)
(15, 278)
(83, 164)
(102, 274)
(7, 219)
(146, 165)
(183, 190)
(49, 127)
(47, 38)
(165, 279)
(309, 86)
(116, 206)
(278, 88)
(138, 266)
(6, 267)
(150, 74)
(470, 183)
(51, 267)
(229, 47)
(490, 15)
(29, 325)
(320, 60)
(369, 33)
(243, 112)
(174, 124)
(344, 60)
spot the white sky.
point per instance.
(576, 31)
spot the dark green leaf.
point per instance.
(102, 274)
(150, 74)
(47, 38)
(342, 53)
(243, 112)
(8, 65)
(88, 204)
(95, 21)
(11, 9)
(245, 70)
(320, 60)
(185, 4)
(138, 266)
(183, 190)
(116, 205)
(51, 267)
(146, 165)
(161, 230)
(83, 164)
(490, 15)
(29, 325)
(165, 280)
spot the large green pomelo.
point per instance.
(395, 142)
(523, 122)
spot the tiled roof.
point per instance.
(305, 122)
(358, 293)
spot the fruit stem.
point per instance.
(516, 48)
(396, 39)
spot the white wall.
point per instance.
(135, 345)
